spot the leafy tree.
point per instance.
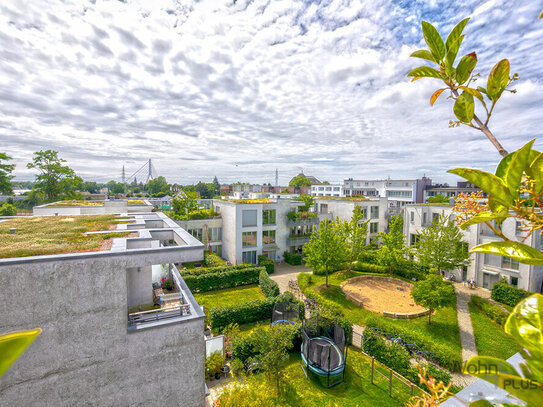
(54, 178)
(204, 190)
(439, 198)
(5, 175)
(216, 186)
(327, 249)
(185, 202)
(115, 187)
(7, 209)
(355, 234)
(91, 187)
(392, 250)
(440, 245)
(157, 185)
(433, 293)
(308, 201)
(325, 183)
(299, 180)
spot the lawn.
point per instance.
(443, 329)
(229, 296)
(490, 338)
(54, 234)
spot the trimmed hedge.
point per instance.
(369, 268)
(389, 353)
(265, 261)
(267, 285)
(493, 311)
(213, 260)
(507, 294)
(231, 277)
(293, 259)
(251, 311)
(217, 269)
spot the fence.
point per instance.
(158, 314)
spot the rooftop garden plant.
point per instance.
(75, 202)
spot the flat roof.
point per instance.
(43, 235)
(346, 198)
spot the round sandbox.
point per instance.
(389, 296)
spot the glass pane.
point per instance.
(249, 218)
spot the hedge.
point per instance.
(507, 294)
(389, 353)
(369, 268)
(492, 311)
(267, 285)
(216, 269)
(251, 311)
(229, 278)
(265, 261)
(293, 259)
(213, 260)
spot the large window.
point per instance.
(197, 233)
(374, 211)
(509, 263)
(248, 239)
(249, 257)
(399, 194)
(268, 236)
(374, 227)
(499, 261)
(249, 218)
(215, 234)
(268, 217)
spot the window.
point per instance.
(499, 261)
(424, 218)
(248, 239)
(324, 208)
(518, 230)
(268, 236)
(374, 211)
(374, 227)
(249, 218)
(268, 217)
(412, 215)
(248, 257)
(399, 194)
(413, 240)
(509, 263)
(215, 234)
(197, 233)
(514, 281)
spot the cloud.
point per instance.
(237, 89)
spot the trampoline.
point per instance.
(284, 313)
(323, 349)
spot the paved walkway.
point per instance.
(284, 272)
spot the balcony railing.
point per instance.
(303, 221)
(158, 314)
(297, 240)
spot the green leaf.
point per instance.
(516, 250)
(488, 182)
(485, 216)
(518, 164)
(497, 79)
(501, 169)
(473, 92)
(535, 171)
(456, 32)
(464, 108)
(481, 89)
(465, 67)
(12, 345)
(424, 54)
(424, 71)
(451, 55)
(488, 367)
(433, 40)
(481, 403)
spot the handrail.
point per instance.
(156, 310)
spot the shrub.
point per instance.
(166, 283)
(214, 363)
(265, 261)
(369, 268)
(389, 353)
(438, 374)
(293, 259)
(244, 313)
(8, 209)
(267, 285)
(507, 294)
(210, 270)
(492, 311)
(230, 277)
(213, 260)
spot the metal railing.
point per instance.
(158, 314)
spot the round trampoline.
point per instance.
(323, 349)
(285, 313)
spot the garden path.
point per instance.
(284, 272)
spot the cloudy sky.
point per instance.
(239, 88)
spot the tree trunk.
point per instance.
(430, 317)
(326, 276)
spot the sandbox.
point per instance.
(384, 295)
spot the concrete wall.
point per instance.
(138, 280)
(109, 207)
(85, 354)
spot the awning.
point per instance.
(494, 273)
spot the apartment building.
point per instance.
(376, 210)
(336, 190)
(485, 269)
(451, 191)
(96, 346)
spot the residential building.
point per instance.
(485, 269)
(96, 348)
(336, 190)
(451, 191)
(375, 210)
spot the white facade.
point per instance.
(484, 269)
(336, 190)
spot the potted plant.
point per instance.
(166, 284)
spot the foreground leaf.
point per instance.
(536, 171)
(433, 40)
(485, 216)
(456, 32)
(464, 108)
(465, 67)
(516, 250)
(518, 164)
(436, 95)
(424, 54)
(12, 345)
(488, 182)
(424, 71)
(497, 79)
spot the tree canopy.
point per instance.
(299, 180)
(157, 185)
(308, 201)
(433, 293)
(439, 198)
(185, 202)
(355, 234)
(392, 249)
(5, 175)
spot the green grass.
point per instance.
(443, 329)
(490, 338)
(40, 235)
(229, 296)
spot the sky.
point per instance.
(237, 89)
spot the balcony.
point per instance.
(296, 240)
(303, 221)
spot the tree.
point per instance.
(308, 201)
(440, 245)
(5, 175)
(433, 293)
(216, 186)
(392, 250)
(327, 249)
(185, 202)
(439, 198)
(325, 183)
(54, 178)
(204, 191)
(299, 180)
(115, 187)
(7, 209)
(91, 187)
(355, 234)
(157, 185)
